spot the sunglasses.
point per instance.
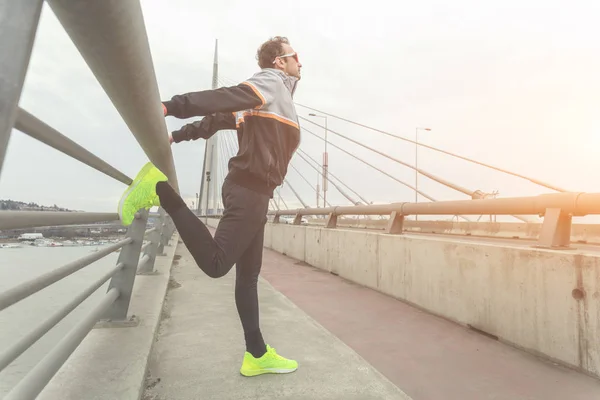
(293, 55)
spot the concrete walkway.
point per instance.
(200, 347)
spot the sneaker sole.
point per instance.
(268, 371)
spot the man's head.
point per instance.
(277, 53)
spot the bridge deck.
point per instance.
(199, 349)
(428, 357)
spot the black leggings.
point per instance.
(238, 240)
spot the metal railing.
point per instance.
(111, 37)
(557, 209)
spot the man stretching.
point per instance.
(263, 112)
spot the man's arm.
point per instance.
(204, 128)
(223, 100)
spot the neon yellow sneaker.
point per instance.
(269, 363)
(141, 194)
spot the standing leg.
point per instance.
(246, 294)
(259, 357)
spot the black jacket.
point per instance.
(262, 111)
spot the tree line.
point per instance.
(13, 205)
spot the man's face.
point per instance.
(289, 62)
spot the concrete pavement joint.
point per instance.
(133, 321)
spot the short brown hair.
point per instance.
(270, 50)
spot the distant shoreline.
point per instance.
(62, 238)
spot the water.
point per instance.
(21, 264)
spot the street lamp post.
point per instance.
(417, 164)
(318, 190)
(325, 161)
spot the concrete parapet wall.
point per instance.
(544, 301)
(587, 233)
(212, 222)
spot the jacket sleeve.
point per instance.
(255, 92)
(204, 128)
(223, 100)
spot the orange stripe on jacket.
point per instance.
(262, 99)
(272, 116)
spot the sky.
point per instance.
(512, 83)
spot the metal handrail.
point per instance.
(18, 26)
(35, 381)
(111, 38)
(34, 285)
(558, 210)
(41, 131)
(578, 204)
(27, 341)
(33, 219)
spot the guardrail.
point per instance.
(112, 39)
(557, 210)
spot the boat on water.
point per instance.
(29, 237)
(46, 243)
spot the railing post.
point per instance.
(298, 219)
(162, 234)
(18, 25)
(556, 229)
(124, 279)
(331, 221)
(162, 241)
(170, 229)
(396, 223)
(276, 219)
(149, 257)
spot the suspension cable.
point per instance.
(310, 184)
(536, 181)
(372, 166)
(341, 182)
(422, 172)
(295, 193)
(301, 152)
